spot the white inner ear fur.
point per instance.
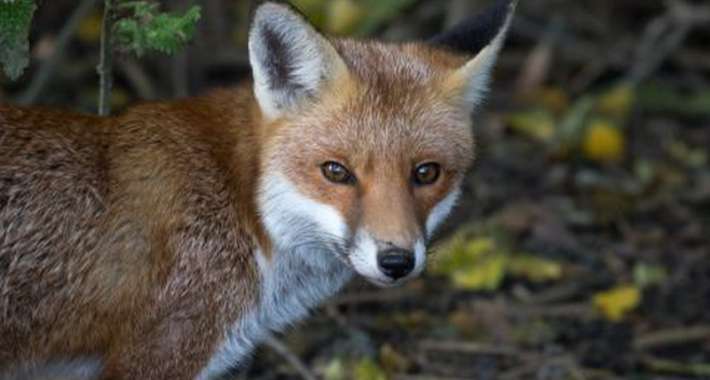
(290, 60)
(474, 77)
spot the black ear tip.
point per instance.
(473, 34)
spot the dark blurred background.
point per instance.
(581, 249)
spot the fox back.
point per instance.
(168, 241)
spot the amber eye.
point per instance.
(337, 173)
(426, 174)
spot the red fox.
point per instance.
(167, 242)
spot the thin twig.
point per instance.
(105, 66)
(664, 35)
(469, 348)
(396, 294)
(674, 367)
(281, 349)
(40, 81)
(671, 337)
(425, 377)
(179, 63)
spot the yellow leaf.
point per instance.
(486, 275)
(614, 304)
(538, 124)
(603, 142)
(460, 252)
(617, 102)
(343, 16)
(367, 369)
(476, 264)
(534, 268)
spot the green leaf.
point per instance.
(646, 275)
(534, 268)
(15, 20)
(150, 30)
(537, 123)
(367, 369)
(476, 263)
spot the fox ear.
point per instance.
(484, 36)
(290, 60)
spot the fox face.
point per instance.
(366, 143)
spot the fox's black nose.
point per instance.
(395, 262)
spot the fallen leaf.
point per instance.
(615, 303)
(533, 268)
(603, 142)
(649, 275)
(538, 124)
(487, 275)
(367, 369)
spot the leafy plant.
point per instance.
(480, 257)
(15, 20)
(146, 28)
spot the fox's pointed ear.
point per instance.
(483, 36)
(290, 60)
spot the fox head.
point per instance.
(365, 143)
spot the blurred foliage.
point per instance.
(142, 28)
(368, 369)
(592, 125)
(479, 258)
(15, 20)
(363, 369)
(658, 97)
(146, 28)
(351, 17)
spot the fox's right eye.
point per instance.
(337, 173)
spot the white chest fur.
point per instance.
(292, 284)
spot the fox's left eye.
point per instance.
(337, 173)
(426, 174)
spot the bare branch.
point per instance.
(105, 67)
(281, 349)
